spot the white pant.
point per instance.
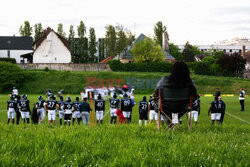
(51, 115)
(11, 113)
(41, 113)
(194, 115)
(85, 117)
(215, 116)
(76, 114)
(112, 112)
(153, 115)
(61, 114)
(126, 114)
(99, 115)
(25, 114)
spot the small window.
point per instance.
(224, 50)
(8, 53)
(240, 51)
(230, 50)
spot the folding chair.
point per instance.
(180, 98)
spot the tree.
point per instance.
(147, 51)
(101, 49)
(25, 30)
(121, 43)
(159, 28)
(130, 37)
(174, 51)
(92, 44)
(38, 31)
(82, 44)
(234, 64)
(71, 40)
(189, 52)
(110, 40)
(60, 30)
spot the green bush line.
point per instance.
(74, 82)
(6, 59)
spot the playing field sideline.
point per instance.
(129, 145)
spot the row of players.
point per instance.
(80, 110)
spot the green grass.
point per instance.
(128, 145)
(74, 82)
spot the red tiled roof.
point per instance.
(106, 60)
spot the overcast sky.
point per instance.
(196, 21)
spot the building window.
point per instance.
(240, 51)
(224, 50)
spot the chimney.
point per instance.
(243, 51)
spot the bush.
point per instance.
(116, 65)
(6, 59)
(10, 75)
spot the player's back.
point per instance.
(99, 105)
(126, 104)
(51, 104)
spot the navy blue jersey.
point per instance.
(196, 105)
(114, 103)
(25, 105)
(152, 104)
(100, 105)
(217, 107)
(126, 104)
(61, 105)
(12, 104)
(40, 104)
(68, 106)
(143, 107)
(77, 105)
(51, 104)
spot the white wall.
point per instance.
(52, 50)
(15, 54)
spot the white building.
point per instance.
(51, 48)
(14, 47)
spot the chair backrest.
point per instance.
(175, 94)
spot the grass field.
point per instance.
(129, 145)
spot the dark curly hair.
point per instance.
(180, 73)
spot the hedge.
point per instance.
(6, 59)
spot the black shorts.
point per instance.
(67, 116)
(143, 116)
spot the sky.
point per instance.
(197, 21)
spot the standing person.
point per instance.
(50, 106)
(114, 105)
(223, 111)
(76, 113)
(242, 99)
(143, 110)
(217, 92)
(40, 109)
(99, 109)
(18, 112)
(195, 112)
(48, 94)
(11, 106)
(61, 109)
(126, 107)
(68, 107)
(85, 109)
(15, 92)
(25, 108)
(152, 113)
(216, 110)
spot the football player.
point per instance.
(152, 113)
(50, 106)
(18, 112)
(76, 113)
(99, 109)
(61, 109)
(195, 110)
(216, 109)
(40, 109)
(68, 107)
(11, 106)
(114, 105)
(25, 108)
(126, 107)
(143, 110)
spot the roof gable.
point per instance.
(15, 43)
(38, 42)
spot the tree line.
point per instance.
(88, 49)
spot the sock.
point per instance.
(145, 122)
(139, 122)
